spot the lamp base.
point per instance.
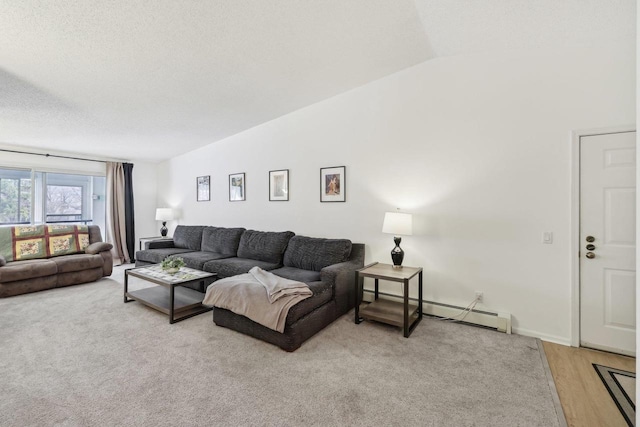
(164, 230)
(397, 254)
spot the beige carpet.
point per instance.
(79, 356)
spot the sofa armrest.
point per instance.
(342, 277)
(97, 247)
(159, 244)
(2, 261)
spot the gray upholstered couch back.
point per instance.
(313, 253)
(188, 237)
(267, 246)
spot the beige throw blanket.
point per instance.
(259, 295)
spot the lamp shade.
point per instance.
(164, 214)
(398, 224)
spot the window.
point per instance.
(64, 203)
(15, 196)
(44, 197)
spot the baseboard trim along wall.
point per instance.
(500, 321)
(544, 337)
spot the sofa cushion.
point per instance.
(188, 237)
(78, 277)
(77, 262)
(322, 293)
(312, 253)
(221, 240)
(234, 266)
(35, 284)
(298, 274)
(27, 269)
(267, 246)
(157, 255)
(198, 259)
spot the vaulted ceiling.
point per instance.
(147, 80)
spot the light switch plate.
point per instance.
(547, 237)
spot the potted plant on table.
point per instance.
(172, 264)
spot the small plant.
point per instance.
(172, 262)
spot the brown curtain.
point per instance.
(116, 220)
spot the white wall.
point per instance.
(476, 147)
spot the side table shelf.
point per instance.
(404, 314)
(144, 240)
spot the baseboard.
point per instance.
(544, 337)
(499, 321)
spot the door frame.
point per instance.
(576, 136)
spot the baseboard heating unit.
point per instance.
(499, 321)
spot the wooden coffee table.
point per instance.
(170, 297)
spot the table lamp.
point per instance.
(164, 215)
(397, 223)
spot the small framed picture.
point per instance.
(236, 187)
(279, 185)
(203, 189)
(332, 184)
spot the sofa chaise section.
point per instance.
(332, 263)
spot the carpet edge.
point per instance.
(562, 421)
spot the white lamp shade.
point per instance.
(164, 214)
(398, 224)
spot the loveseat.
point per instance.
(327, 266)
(38, 257)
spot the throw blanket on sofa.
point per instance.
(259, 295)
(42, 241)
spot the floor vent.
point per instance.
(499, 321)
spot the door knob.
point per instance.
(590, 255)
(590, 247)
(591, 239)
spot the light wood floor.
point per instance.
(584, 398)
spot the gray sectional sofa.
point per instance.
(327, 266)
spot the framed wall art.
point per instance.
(203, 188)
(332, 184)
(279, 185)
(236, 187)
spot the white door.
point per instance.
(607, 242)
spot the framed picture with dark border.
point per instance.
(237, 187)
(279, 185)
(203, 188)
(333, 184)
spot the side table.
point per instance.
(151, 239)
(403, 314)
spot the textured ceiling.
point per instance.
(147, 80)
